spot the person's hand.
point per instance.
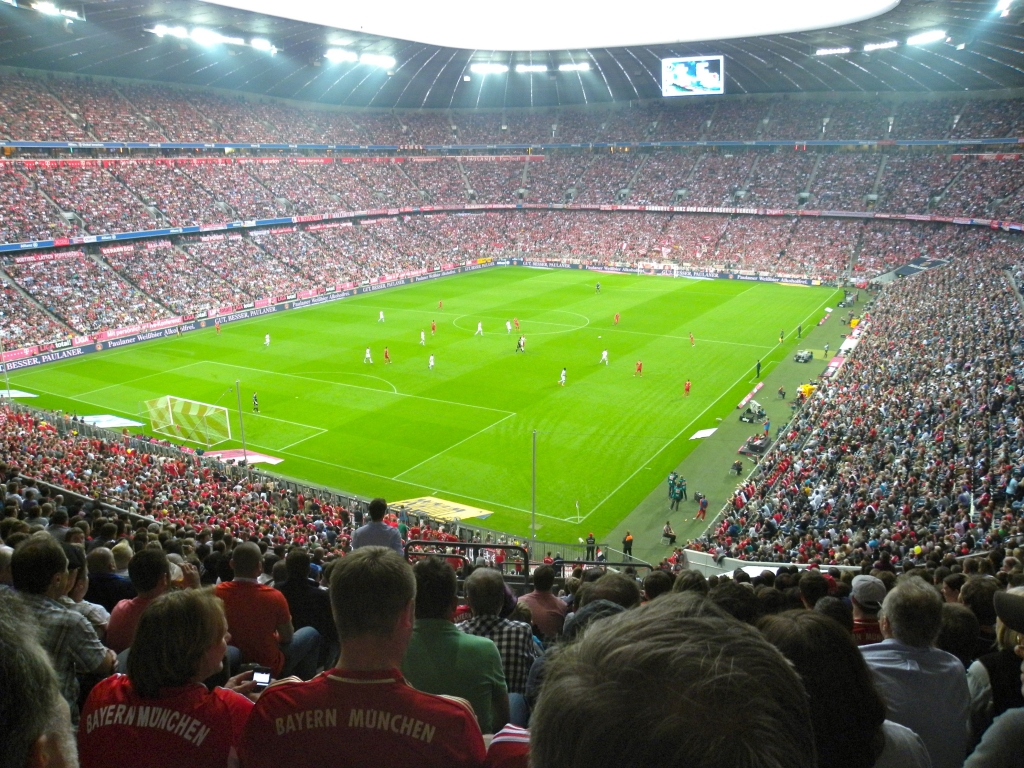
(190, 575)
(243, 684)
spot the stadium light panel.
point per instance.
(583, 66)
(830, 51)
(50, 9)
(209, 37)
(529, 68)
(160, 30)
(927, 37)
(1004, 5)
(880, 46)
(263, 45)
(337, 55)
(488, 69)
(376, 60)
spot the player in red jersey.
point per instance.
(686, 389)
(216, 324)
(433, 327)
(616, 318)
(692, 342)
(516, 321)
(440, 305)
(160, 713)
(387, 356)
(639, 369)
(362, 713)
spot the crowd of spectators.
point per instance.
(80, 109)
(172, 191)
(25, 214)
(913, 449)
(608, 178)
(181, 284)
(84, 295)
(246, 266)
(96, 197)
(717, 177)
(979, 186)
(909, 182)
(843, 181)
(175, 606)
(24, 324)
(778, 179)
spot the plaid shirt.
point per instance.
(70, 640)
(515, 646)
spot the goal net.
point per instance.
(189, 420)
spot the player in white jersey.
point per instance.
(430, 363)
(423, 338)
(366, 357)
(266, 340)
(381, 318)
(604, 357)
(524, 344)
(561, 379)
(479, 329)
(508, 326)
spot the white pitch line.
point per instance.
(453, 445)
(684, 429)
(702, 340)
(320, 430)
(356, 386)
(292, 445)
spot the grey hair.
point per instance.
(31, 704)
(913, 609)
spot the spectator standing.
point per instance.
(363, 713)
(260, 622)
(485, 592)
(166, 713)
(866, 597)
(994, 679)
(909, 670)
(547, 610)
(40, 571)
(377, 533)
(444, 661)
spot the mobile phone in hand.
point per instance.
(261, 676)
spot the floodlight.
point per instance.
(880, 46)
(488, 69)
(1004, 5)
(581, 67)
(830, 51)
(48, 8)
(376, 60)
(927, 37)
(340, 54)
(262, 45)
(524, 68)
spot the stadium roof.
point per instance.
(982, 48)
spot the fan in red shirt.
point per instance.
(160, 714)
(362, 712)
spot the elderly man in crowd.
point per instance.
(925, 689)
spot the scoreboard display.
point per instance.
(693, 76)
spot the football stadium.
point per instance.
(399, 386)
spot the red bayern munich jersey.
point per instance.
(357, 719)
(510, 748)
(187, 726)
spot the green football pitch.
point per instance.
(463, 431)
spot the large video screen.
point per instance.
(693, 76)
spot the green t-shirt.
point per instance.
(443, 660)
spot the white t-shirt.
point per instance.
(903, 748)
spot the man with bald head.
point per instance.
(261, 624)
(106, 588)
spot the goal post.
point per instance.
(189, 420)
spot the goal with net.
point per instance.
(188, 420)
